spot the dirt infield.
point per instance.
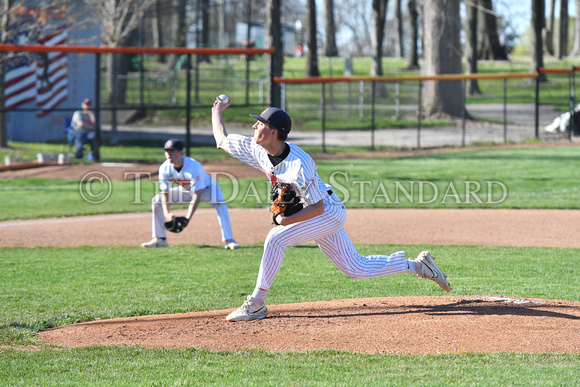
(416, 325)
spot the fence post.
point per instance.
(97, 152)
(261, 92)
(373, 96)
(115, 101)
(349, 99)
(397, 101)
(188, 104)
(419, 116)
(571, 82)
(505, 110)
(361, 101)
(537, 103)
(323, 116)
(141, 83)
(283, 96)
(463, 115)
(197, 60)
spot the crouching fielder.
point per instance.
(321, 220)
(194, 185)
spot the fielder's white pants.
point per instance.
(328, 233)
(177, 195)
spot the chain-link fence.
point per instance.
(393, 111)
(174, 89)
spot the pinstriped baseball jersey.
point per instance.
(191, 177)
(297, 168)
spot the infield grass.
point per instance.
(46, 287)
(545, 177)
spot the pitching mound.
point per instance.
(413, 325)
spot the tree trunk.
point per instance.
(576, 47)
(330, 49)
(563, 33)
(489, 47)
(378, 17)
(204, 28)
(442, 55)
(471, 50)
(273, 39)
(399, 47)
(178, 30)
(550, 29)
(414, 20)
(537, 44)
(157, 24)
(312, 54)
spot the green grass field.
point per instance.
(47, 286)
(542, 177)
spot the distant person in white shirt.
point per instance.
(83, 124)
(193, 186)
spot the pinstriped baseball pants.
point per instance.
(328, 233)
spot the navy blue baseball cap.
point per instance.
(278, 118)
(173, 143)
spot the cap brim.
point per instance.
(259, 118)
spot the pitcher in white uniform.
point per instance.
(321, 220)
(194, 185)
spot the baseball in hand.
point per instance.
(224, 98)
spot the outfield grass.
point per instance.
(46, 287)
(509, 178)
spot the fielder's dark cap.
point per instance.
(173, 143)
(278, 118)
(87, 101)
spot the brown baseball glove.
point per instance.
(283, 200)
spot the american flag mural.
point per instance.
(40, 78)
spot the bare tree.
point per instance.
(157, 29)
(549, 35)
(203, 6)
(329, 49)
(576, 48)
(442, 55)
(312, 54)
(537, 59)
(378, 18)
(178, 30)
(471, 49)
(351, 15)
(414, 21)
(489, 47)
(563, 33)
(399, 46)
(273, 39)
(120, 19)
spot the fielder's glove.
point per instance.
(283, 200)
(177, 224)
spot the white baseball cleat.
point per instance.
(248, 311)
(231, 245)
(431, 271)
(155, 242)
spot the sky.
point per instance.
(520, 11)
